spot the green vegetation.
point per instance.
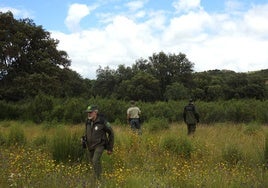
(42, 105)
(71, 111)
(31, 65)
(222, 155)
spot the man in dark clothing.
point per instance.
(190, 117)
(99, 137)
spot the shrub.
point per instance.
(66, 146)
(232, 154)
(57, 114)
(10, 111)
(74, 110)
(252, 129)
(41, 108)
(240, 111)
(2, 139)
(261, 111)
(266, 150)
(178, 145)
(112, 109)
(211, 112)
(156, 124)
(16, 136)
(40, 140)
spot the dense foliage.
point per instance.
(36, 84)
(45, 108)
(30, 64)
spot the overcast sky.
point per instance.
(214, 34)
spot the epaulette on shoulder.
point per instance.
(108, 124)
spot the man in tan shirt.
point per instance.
(133, 117)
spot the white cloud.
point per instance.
(76, 13)
(180, 30)
(121, 42)
(233, 53)
(17, 12)
(233, 5)
(135, 5)
(212, 41)
(186, 5)
(256, 21)
(236, 38)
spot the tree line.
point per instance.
(30, 64)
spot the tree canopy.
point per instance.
(30, 64)
(30, 61)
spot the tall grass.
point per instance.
(220, 155)
(266, 151)
(16, 136)
(66, 146)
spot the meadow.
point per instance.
(221, 155)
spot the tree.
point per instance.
(105, 83)
(123, 73)
(176, 91)
(29, 60)
(171, 68)
(142, 86)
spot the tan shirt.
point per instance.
(133, 112)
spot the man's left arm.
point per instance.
(196, 115)
(110, 132)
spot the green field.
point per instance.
(219, 155)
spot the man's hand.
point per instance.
(109, 152)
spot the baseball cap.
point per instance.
(91, 108)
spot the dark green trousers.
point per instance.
(95, 159)
(191, 128)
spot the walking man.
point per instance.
(99, 137)
(191, 117)
(133, 117)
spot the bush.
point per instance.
(156, 124)
(10, 111)
(41, 108)
(232, 154)
(70, 110)
(57, 114)
(178, 145)
(2, 139)
(172, 111)
(74, 110)
(252, 129)
(240, 111)
(16, 136)
(266, 150)
(40, 141)
(112, 109)
(212, 112)
(261, 112)
(66, 146)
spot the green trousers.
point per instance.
(95, 159)
(191, 128)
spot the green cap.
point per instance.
(91, 108)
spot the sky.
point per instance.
(213, 34)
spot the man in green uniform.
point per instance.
(99, 137)
(190, 117)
